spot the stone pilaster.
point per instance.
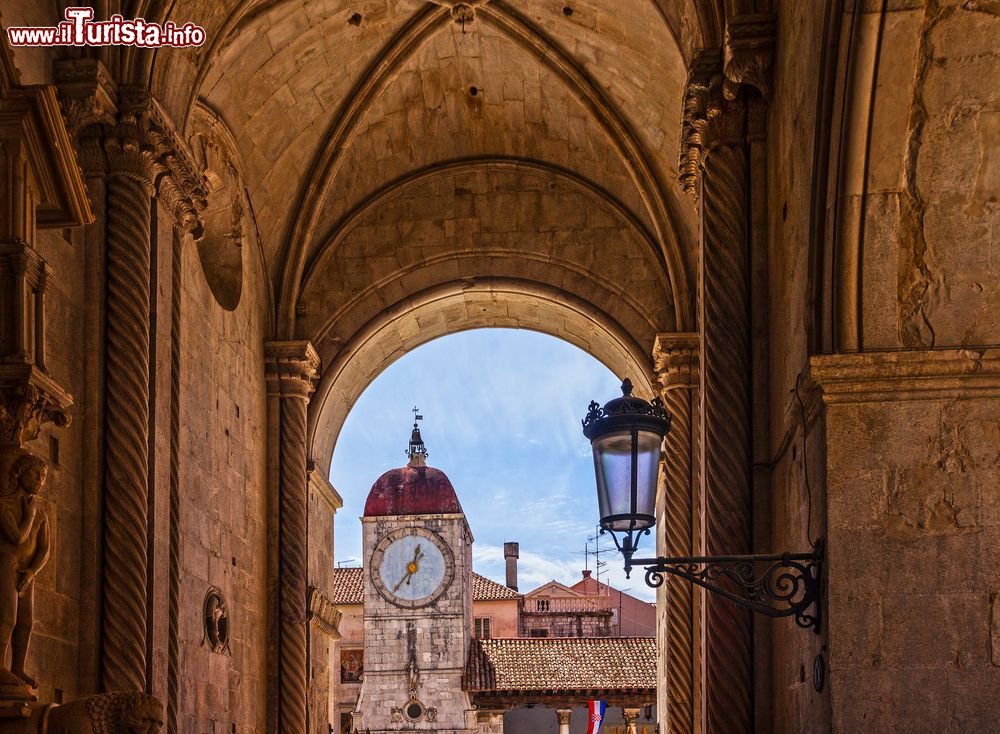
(714, 168)
(291, 367)
(675, 359)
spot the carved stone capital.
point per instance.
(28, 400)
(710, 120)
(702, 96)
(631, 715)
(749, 54)
(290, 368)
(137, 140)
(563, 716)
(87, 93)
(675, 360)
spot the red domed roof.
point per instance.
(412, 490)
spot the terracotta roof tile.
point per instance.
(484, 589)
(571, 663)
(347, 587)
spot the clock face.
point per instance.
(412, 567)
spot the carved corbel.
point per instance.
(179, 181)
(748, 54)
(29, 400)
(323, 613)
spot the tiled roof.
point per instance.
(561, 664)
(484, 589)
(348, 586)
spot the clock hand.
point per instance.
(405, 578)
(411, 568)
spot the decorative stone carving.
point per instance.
(106, 713)
(675, 360)
(28, 400)
(216, 619)
(323, 613)
(431, 713)
(702, 100)
(24, 550)
(630, 716)
(87, 93)
(396, 715)
(749, 52)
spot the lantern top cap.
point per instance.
(626, 412)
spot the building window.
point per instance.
(538, 632)
(484, 628)
(352, 665)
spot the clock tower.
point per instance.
(417, 603)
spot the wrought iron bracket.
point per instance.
(788, 587)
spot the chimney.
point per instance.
(510, 554)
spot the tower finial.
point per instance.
(417, 451)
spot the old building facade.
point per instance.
(780, 217)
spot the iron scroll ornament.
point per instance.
(788, 587)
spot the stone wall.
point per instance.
(911, 466)
(223, 500)
(882, 117)
(65, 601)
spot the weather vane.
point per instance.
(416, 451)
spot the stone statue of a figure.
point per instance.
(24, 549)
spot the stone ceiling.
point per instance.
(518, 170)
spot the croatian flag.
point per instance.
(596, 718)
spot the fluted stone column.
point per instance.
(290, 369)
(563, 716)
(675, 358)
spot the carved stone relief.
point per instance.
(216, 619)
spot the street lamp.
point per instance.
(626, 435)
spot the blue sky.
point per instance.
(502, 411)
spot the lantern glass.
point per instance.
(626, 483)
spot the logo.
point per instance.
(80, 29)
